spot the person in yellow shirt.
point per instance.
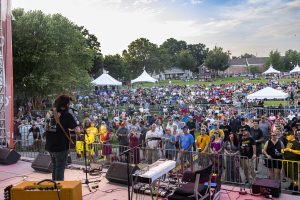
(89, 137)
(216, 129)
(202, 143)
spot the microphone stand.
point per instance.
(126, 153)
(87, 182)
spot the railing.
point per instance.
(234, 169)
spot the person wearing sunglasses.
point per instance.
(272, 150)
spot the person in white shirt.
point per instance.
(152, 145)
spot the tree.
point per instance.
(94, 45)
(185, 60)
(50, 55)
(247, 55)
(217, 59)
(199, 52)
(275, 60)
(115, 65)
(254, 69)
(291, 59)
(172, 47)
(142, 54)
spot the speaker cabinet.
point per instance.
(117, 172)
(266, 186)
(42, 163)
(8, 156)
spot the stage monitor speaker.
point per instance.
(266, 187)
(8, 156)
(42, 163)
(117, 172)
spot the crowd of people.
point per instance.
(221, 132)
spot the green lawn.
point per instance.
(217, 81)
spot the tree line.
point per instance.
(53, 55)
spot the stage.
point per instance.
(16, 173)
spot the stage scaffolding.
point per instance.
(3, 136)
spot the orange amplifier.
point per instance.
(47, 190)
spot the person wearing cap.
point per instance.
(58, 144)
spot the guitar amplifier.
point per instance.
(47, 190)
(266, 187)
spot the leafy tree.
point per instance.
(142, 54)
(291, 59)
(247, 55)
(94, 45)
(185, 60)
(217, 59)
(173, 46)
(254, 69)
(199, 52)
(275, 60)
(115, 65)
(50, 55)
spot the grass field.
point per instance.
(215, 81)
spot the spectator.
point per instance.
(272, 150)
(231, 150)
(248, 153)
(169, 145)
(257, 135)
(152, 144)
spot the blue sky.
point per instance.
(252, 26)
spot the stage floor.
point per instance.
(17, 173)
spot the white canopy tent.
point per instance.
(295, 70)
(267, 93)
(271, 70)
(106, 79)
(144, 77)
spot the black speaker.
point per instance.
(117, 172)
(42, 163)
(8, 156)
(265, 186)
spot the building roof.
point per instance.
(174, 71)
(247, 61)
(238, 62)
(257, 60)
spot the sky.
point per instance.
(239, 26)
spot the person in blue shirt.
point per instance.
(186, 141)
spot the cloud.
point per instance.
(196, 1)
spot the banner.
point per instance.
(6, 17)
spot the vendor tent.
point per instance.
(106, 79)
(144, 77)
(267, 93)
(296, 69)
(271, 70)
